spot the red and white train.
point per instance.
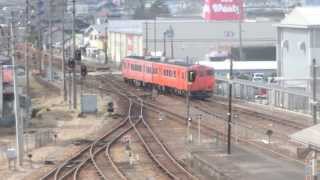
(168, 77)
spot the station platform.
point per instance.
(243, 164)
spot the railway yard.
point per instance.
(147, 137)
(159, 90)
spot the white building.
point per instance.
(190, 37)
(297, 45)
(95, 39)
(125, 38)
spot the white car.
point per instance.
(258, 79)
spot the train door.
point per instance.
(144, 72)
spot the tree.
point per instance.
(140, 12)
(157, 8)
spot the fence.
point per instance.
(269, 138)
(33, 140)
(267, 94)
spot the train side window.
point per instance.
(210, 72)
(182, 75)
(202, 73)
(155, 70)
(174, 74)
(132, 67)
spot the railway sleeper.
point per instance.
(101, 143)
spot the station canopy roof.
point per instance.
(309, 137)
(241, 65)
(302, 17)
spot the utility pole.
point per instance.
(164, 44)
(240, 34)
(9, 41)
(26, 53)
(18, 120)
(189, 120)
(171, 32)
(64, 83)
(50, 78)
(155, 36)
(106, 45)
(314, 96)
(230, 104)
(314, 90)
(74, 83)
(40, 49)
(40, 43)
(147, 38)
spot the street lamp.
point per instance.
(170, 34)
(164, 44)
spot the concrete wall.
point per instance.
(295, 61)
(195, 38)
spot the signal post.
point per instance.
(190, 79)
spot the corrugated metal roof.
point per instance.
(302, 17)
(308, 137)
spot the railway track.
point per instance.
(71, 168)
(260, 116)
(151, 142)
(249, 113)
(218, 129)
(96, 156)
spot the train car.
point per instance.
(168, 77)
